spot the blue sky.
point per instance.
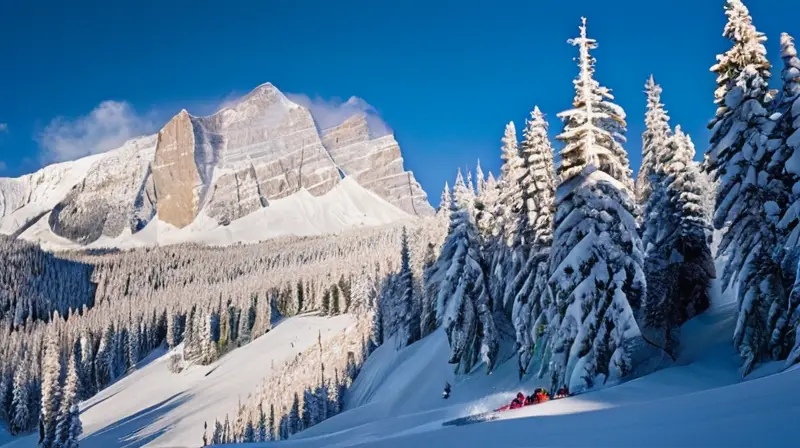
(445, 75)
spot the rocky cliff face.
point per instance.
(376, 163)
(224, 166)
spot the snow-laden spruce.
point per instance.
(463, 303)
(506, 250)
(463, 194)
(788, 157)
(654, 141)
(51, 389)
(529, 287)
(597, 278)
(486, 204)
(679, 266)
(747, 204)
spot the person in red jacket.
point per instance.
(563, 392)
(518, 402)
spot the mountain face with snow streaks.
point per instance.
(224, 167)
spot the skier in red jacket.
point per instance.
(518, 402)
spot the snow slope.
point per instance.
(396, 402)
(153, 407)
(348, 205)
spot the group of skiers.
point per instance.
(540, 395)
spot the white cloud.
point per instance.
(106, 127)
(331, 112)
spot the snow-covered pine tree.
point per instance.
(21, 417)
(463, 305)
(462, 194)
(68, 399)
(509, 202)
(271, 426)
(509, 220)
(787, 318)
(6, 393)
(75, 427)
(480, 182)
(528, 289)
(486, 204)
(654, 139)
(51, 388)
(746, 207)
(679, 266)
(597, 278)
(249, 435)
(261, 427)
(411, 310)
(217, 436)
(86, 370)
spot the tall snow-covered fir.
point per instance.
(528, 289)
(597, 278)
(655, 139)
(463, 303)
(679, 266)
(747, 201)
(787, 157)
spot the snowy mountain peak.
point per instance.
(222, 168)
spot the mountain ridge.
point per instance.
(228, 165)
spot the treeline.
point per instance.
(35, 283)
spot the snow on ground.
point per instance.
(348, 205)
(153, 407)
(396, 400)
(701, 401)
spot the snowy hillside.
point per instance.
(346, 206)
(154, 407)
(396, 402)
(396, 399)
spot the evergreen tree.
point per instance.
(86, 371)
(411, 317)
(249, 435)
(486, 204)
(480, 185)
(295, 424)
(597, 279)
(21, 417)
(64, 424)
(509, 202)
(746, 207)
(787, 166)
(528, 288)
(271, 426)
(654, 140)
(462, 194)
(6, 393)
(679, 266)
(75, 427)
(51, 389)
(217, 436)
(463, 305)
(261, 428)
